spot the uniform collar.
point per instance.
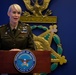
(13, 27)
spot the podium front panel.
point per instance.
(43, 62)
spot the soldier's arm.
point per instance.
(30, 44)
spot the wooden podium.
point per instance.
(43, 62)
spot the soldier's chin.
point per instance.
(16, 21)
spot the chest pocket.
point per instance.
(22, 36)
(6, 38)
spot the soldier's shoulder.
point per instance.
(25, 24)
(2, 26)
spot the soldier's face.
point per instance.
(14, 15)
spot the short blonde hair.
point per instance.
(16, 6)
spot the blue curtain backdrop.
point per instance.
(65, 10)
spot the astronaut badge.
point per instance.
(25, 61)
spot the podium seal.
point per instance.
(24, 61)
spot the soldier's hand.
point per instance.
(15, 50)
